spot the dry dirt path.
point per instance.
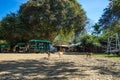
(68, 67)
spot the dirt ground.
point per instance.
(68, 67)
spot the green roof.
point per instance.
(4, 44)
(21, 43)
(46, 41)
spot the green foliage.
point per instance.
(110, 20)
(43, 19)
(97, 29)
(115, 27)
(88, 42)
(111, 13)
(106, 19)
(112, 56)
(49, 16)
(12, 29)
(9, 26)
(115, 8)
(65, 37)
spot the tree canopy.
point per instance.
(42, 19)
(111, 14)
(110, 20)
(88, 42)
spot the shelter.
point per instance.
(21, 47)
(70, 47)
(5, 47)
(39, 45)
(21, 44)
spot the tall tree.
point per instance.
(64, 38)
(43, 19)
(111, 14)
(97, 29)
(9, 23)
(46, 17)
(110, 20)
(88, 42)
(12, 29)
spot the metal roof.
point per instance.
(34, 40)
(21, 43)
(4, 44)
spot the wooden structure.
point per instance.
(39, 46)
(113, 44)
(4, 47)
(21, 47)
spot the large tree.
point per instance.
(8, 27)
(12, 29)
(88, 42)
(96, 29)
(43, 19)
(111, 14)
(110, 20)
(64, 38)
(46, 17)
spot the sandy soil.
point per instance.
(68, 67)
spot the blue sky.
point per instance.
(8, 6)
(93, 8)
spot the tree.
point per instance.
(46, 17)
(115, 8)
(9, 23)
(106, 18)
(64, 38)
(97, 29)
(111, 14)
(13, 30)
(43, 19)
(88, 42)
(110, 20)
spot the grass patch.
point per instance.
(111, 56)
(74, 53)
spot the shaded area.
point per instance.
(108, 68)
(43, 69)
(69, 67)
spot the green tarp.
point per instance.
(21, 44)
(40, 41)
(4, 45)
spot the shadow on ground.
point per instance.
(109, 68)
(42, 69)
